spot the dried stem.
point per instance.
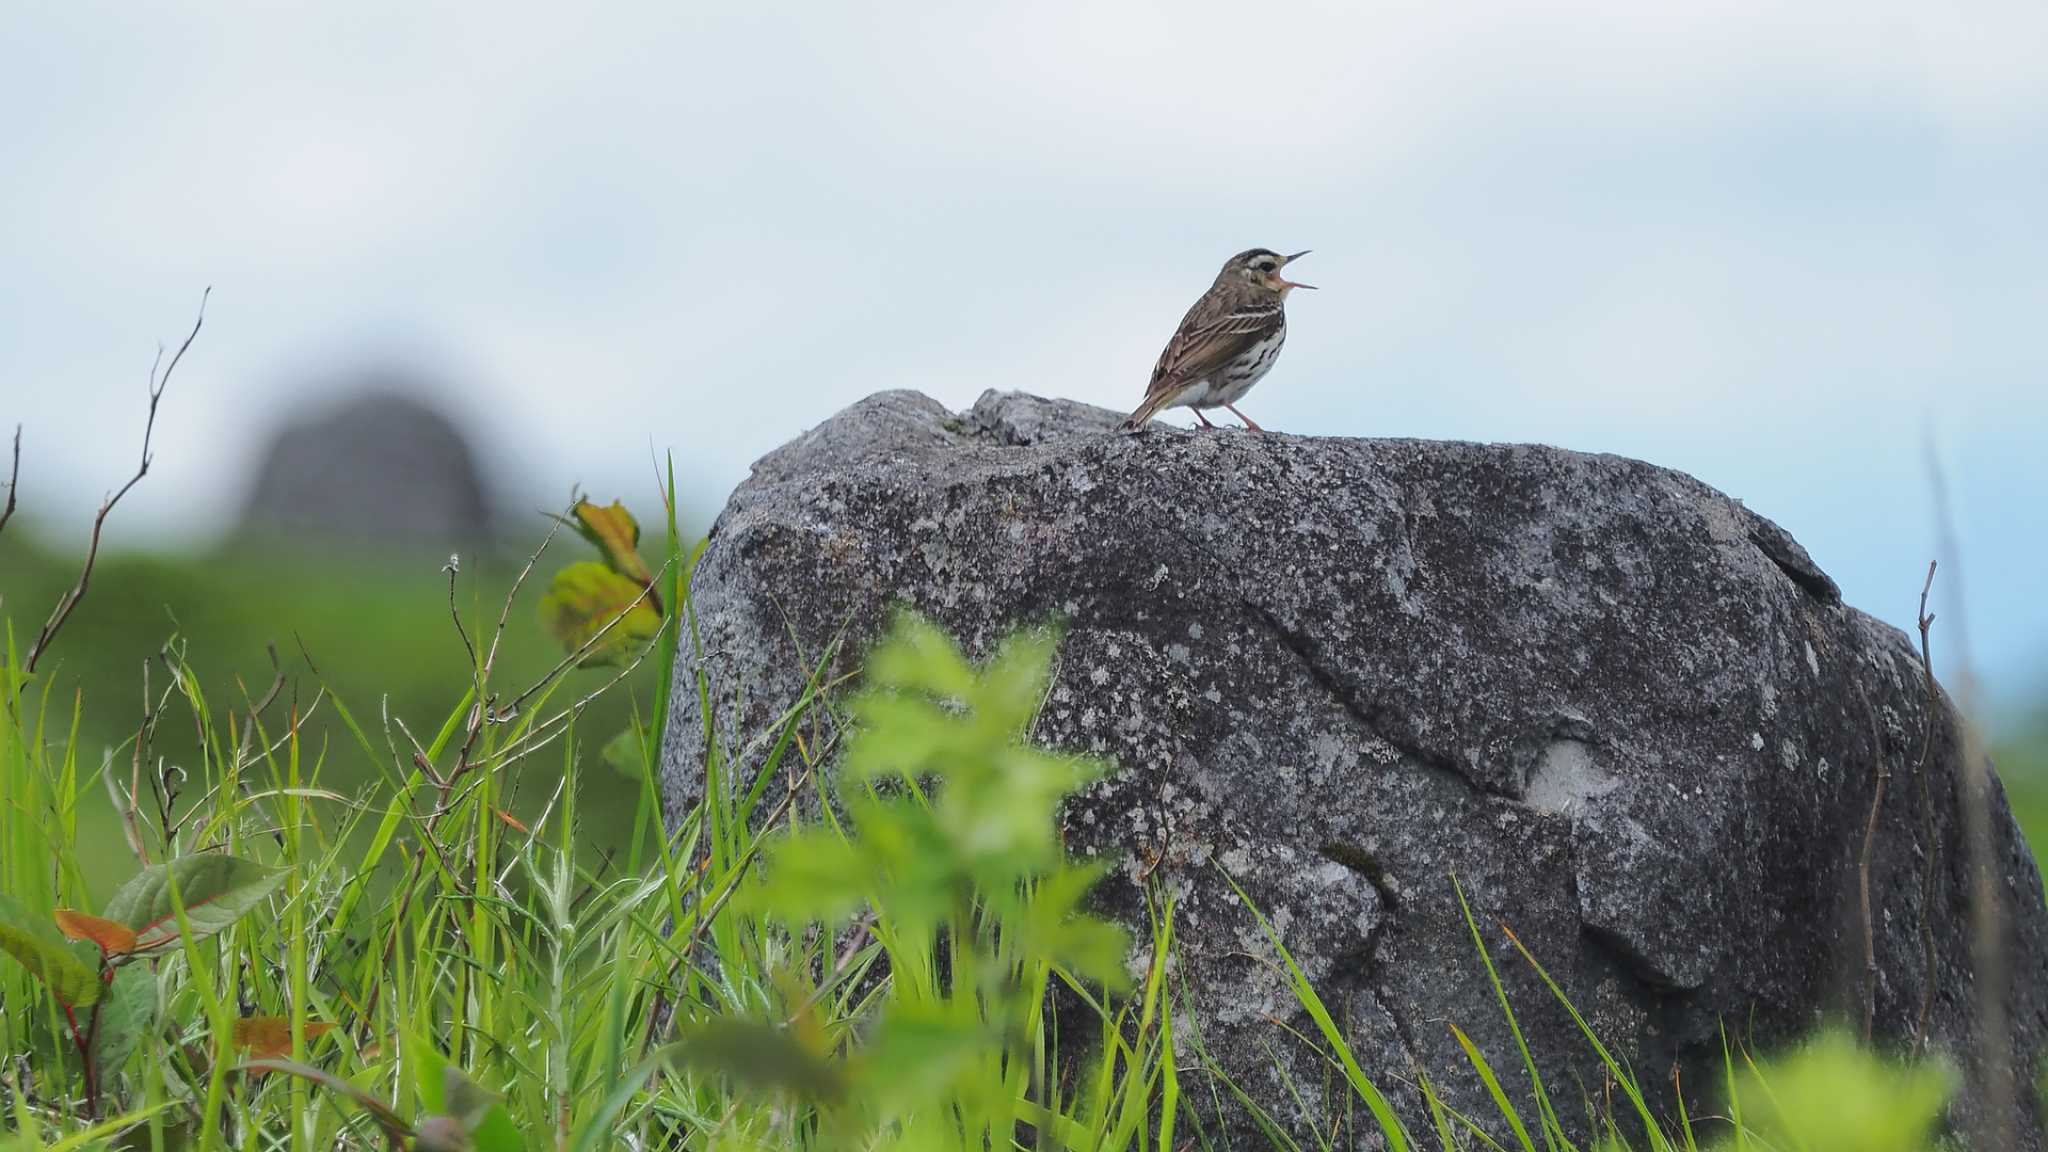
(69, 601)
(1933, 845)
(573, 658)
(454, 568)
(480, 710)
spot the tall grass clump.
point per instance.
(409, 965)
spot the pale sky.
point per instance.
(1772, 245)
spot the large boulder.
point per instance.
(1629, 715)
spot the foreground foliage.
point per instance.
(863, 964)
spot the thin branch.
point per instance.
(1933, 845)
(512, 709)
(454, 568)
(69, 601)
(256, 713)
(480, 710)
(544, 731)
(518, 582)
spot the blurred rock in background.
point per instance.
(379, 468)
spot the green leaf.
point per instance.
(812, 874)
(1090, 948)
(35, 942)
(456, 1112)
(1013, 684)
(917, 656)
(128, 1013)
(617, 536)
(626, 755)
(482, 1115)
(1830, 1095)
(919, 1055)
(585, 598)
(217, 890)
(760, 1057)
(429, 1072)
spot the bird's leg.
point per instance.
(1241, 416)
(1202, 418)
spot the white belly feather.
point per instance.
(1228, 384)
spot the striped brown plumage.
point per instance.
(1225, 343)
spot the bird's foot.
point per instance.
(1248, 422)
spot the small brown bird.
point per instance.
(1225, 343)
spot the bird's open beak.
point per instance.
(1293, 283)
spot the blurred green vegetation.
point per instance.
(2022, 758)
(376, 631)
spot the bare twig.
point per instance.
(454, 568)
(69, 601)
(1933, 846)
(13, 480)
(546, 730)
(481, 705)
(518, 582)
(256, 713)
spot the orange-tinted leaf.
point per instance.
(113, 939)
(617, 536)
(270, 1037)
(585, 598)
(511, 821)
(42, 950)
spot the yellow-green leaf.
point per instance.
(586, 597)
(32, 941)
(617, 536)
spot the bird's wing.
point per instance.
(1206, 343)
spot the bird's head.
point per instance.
(1260, 268)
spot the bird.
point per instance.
(1225, 343)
